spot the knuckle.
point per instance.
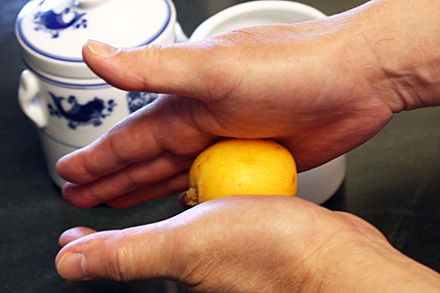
(118, 265)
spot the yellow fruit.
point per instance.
(239, 167)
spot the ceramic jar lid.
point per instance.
(52, 32)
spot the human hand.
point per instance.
(248, 244)
(320, 88)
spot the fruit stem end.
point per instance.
(192, 197)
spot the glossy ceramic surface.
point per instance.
(68, 103)
(52, 33)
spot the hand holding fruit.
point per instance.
(263, 82)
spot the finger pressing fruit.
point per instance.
(241, 166)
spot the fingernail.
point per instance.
(71, 267)
(101, 49)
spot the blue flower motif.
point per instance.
(51, 22)
(137, 100)
(90, 113)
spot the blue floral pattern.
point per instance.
(53, 23)
(90, 113)
(137, 100)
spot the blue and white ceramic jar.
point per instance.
(68, 103)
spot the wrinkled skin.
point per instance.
(247, 244)
(320, 88)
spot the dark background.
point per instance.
(393, 181)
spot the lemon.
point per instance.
(241, 166)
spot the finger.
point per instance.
(165, 188)
(73, 234)
(131, 254)
(172, 69)
(113, 151)
(126, 180)
(147, 133)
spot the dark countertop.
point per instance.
(393, 181)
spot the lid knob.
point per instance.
(87, 3)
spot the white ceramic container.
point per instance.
(68, 103)
(316, 185)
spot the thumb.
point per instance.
(125, 255)
(170, 69)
